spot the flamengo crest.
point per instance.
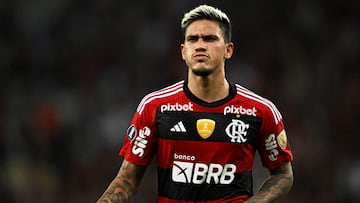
(236, 130)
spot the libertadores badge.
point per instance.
(205, 127)
(282, 139)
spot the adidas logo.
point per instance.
(179, 127)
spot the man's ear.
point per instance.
(182, 49)
(229, 49)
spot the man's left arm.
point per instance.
(276, 186)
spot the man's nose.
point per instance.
(201, 45)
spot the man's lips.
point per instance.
(202, 55)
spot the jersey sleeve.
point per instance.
(273, 144)
(139, 144)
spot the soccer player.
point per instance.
(205, 130)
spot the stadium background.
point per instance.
(73, 72)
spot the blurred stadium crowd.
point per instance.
(73, 72)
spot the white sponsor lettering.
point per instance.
(271, 146)
(184, 157)
(141, 142)
(177, 107)
(198, 173)
(239, 110)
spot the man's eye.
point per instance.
(210, 38)
(192, 39)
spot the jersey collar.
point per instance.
(192, 97)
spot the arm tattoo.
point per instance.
(125, 184)
(277, 186)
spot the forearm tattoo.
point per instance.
(125, 184)
(277, 186)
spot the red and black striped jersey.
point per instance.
(205, 151)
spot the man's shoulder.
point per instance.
(258, 101)
(165, 92)
(162, 94)
(250, 94)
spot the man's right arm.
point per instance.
(124, 185)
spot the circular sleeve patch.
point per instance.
(282, 139)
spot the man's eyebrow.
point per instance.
(207, 36)
(192, 37)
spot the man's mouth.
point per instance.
(200, 56)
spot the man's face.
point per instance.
(204, 49)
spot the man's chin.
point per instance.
(202, 72)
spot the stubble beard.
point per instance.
(202, 72)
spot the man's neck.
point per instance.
(208, 89)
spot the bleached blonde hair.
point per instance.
(209, 13)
